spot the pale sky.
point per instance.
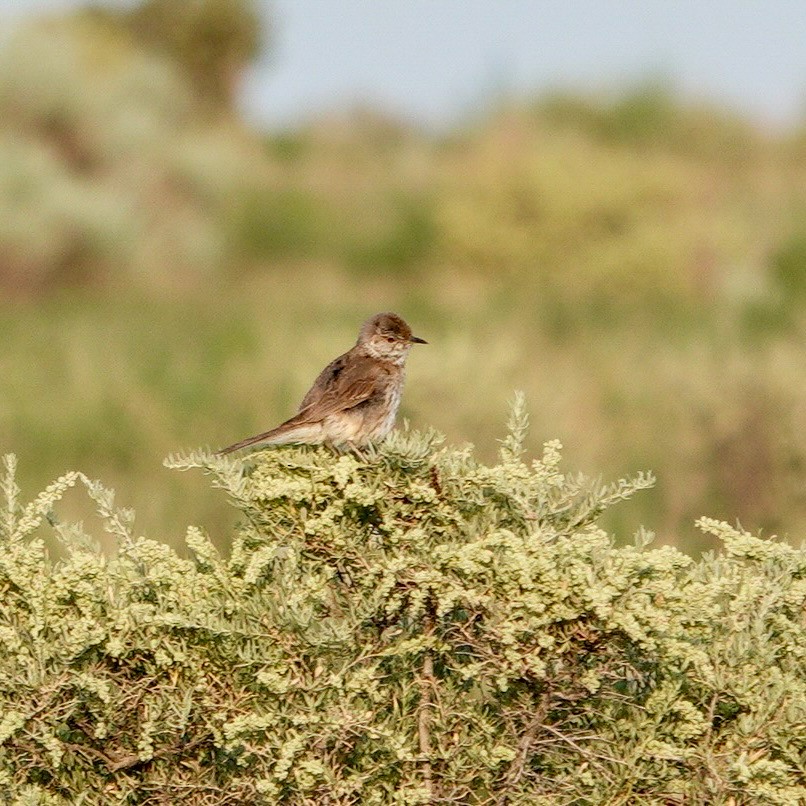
(438, 60)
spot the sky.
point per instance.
(436, 61)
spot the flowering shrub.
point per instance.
(407, 627)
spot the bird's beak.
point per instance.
(417, 340)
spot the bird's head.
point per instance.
(388, 337)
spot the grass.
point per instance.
(634, 264)
(110, 384)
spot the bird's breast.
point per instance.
(392, 404)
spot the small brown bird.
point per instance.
(355, 399)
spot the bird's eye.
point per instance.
(390, 339)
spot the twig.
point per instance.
(424, 716)
(516, 768)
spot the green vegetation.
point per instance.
(170, 278)
(429, 623)
(415, 628)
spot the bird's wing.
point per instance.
(324, 381)
(342, 384)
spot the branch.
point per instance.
(424, 716)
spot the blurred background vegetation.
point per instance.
(171, 277)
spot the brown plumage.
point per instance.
(355, 399)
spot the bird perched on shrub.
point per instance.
(355, 399)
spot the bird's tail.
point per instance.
(290, 431)
(245, 443)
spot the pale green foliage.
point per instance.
(101, 142)
(408, 627)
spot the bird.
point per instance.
(354, 400)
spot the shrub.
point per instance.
(408, 627)
(110, 166)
